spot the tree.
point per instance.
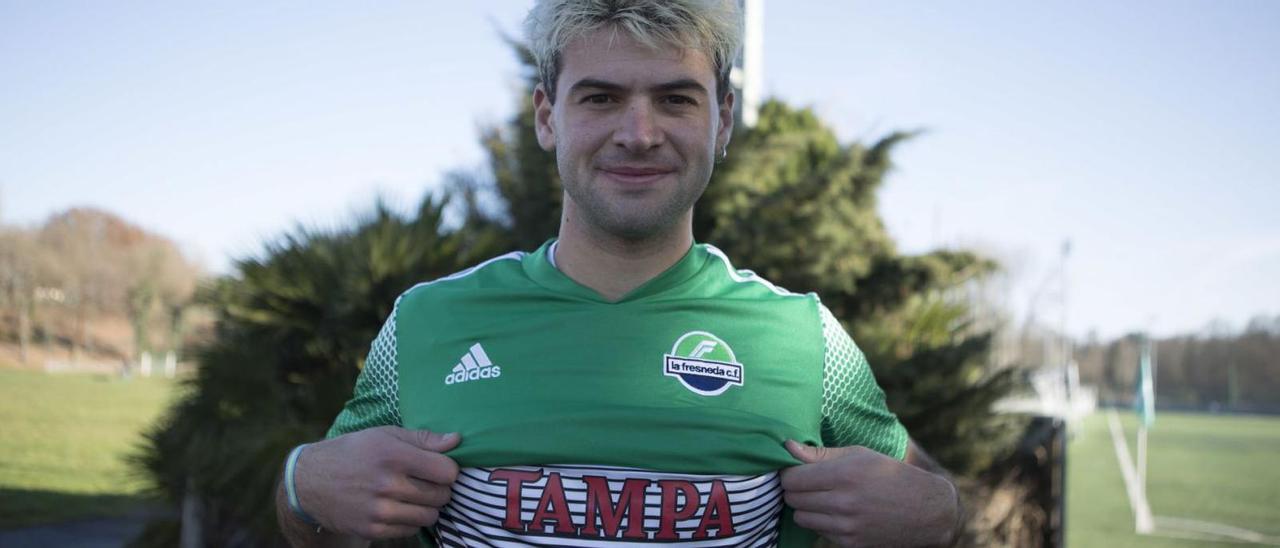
(22, 265)
(292, 330)
(525, 180)
(1213, 369)
(107, 265)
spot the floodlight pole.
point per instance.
(747, 74)
(1063, 338)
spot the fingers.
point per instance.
(826, 525)
(433, 441)
(831, 513)
(379, 531)
(419, 455)
(412, 495)
(817, 501)
(430, 467)
(820, 476)
(401, 514)
(394, 520)
(427, 440)
(827, 468)
(809, 454)
(424, 493)
(856, 496)
(378, 483)
(413, 491)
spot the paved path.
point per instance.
(89, 533)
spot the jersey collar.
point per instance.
(539, 267)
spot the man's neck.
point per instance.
(614, 266)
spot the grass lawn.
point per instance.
(63, 442)
(1212, 468)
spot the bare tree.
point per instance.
(107, 266)
(19, 273)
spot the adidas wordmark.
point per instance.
(475, 364)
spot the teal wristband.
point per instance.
(291, 464)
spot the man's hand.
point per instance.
(383, 482)
(853, 496)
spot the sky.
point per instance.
(1145, 133)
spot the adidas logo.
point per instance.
(474, 365)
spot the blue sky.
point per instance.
(1145, 132)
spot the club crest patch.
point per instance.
(703, 363)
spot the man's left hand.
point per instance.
(853, 496)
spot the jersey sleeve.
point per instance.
(376, 401)
(853, 405)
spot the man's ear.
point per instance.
(542, 119)
(726, 123)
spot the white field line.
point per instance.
(1137, 499)
(1189, 535)
(1216, 530)
(1170, 526)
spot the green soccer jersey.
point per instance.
(657, 418)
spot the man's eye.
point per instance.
(597, 99)
(680, 100)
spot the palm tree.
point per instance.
(293, 327)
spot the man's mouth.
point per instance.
(637, 175)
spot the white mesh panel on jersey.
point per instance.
(848, 391)
(377, 395)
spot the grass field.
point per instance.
(64, 437)
(1214, 468)
(63, 442)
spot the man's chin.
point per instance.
(638, 227)
(634, 232)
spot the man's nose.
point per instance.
(638, 130)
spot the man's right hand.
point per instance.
(384, 482)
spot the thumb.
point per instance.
(809, 454)
(430, 441)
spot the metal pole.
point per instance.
(191, 534)
(1062, 327)
(1142, 460)
(1059, 519)
(1144, 523)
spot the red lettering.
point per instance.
(515, 480)
(670, 513)
(680, 501)
(718, 506)
(630, 504)
(553, 508)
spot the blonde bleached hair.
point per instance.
(713, 27)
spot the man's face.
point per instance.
(635, 131)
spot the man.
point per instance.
(620, 384)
